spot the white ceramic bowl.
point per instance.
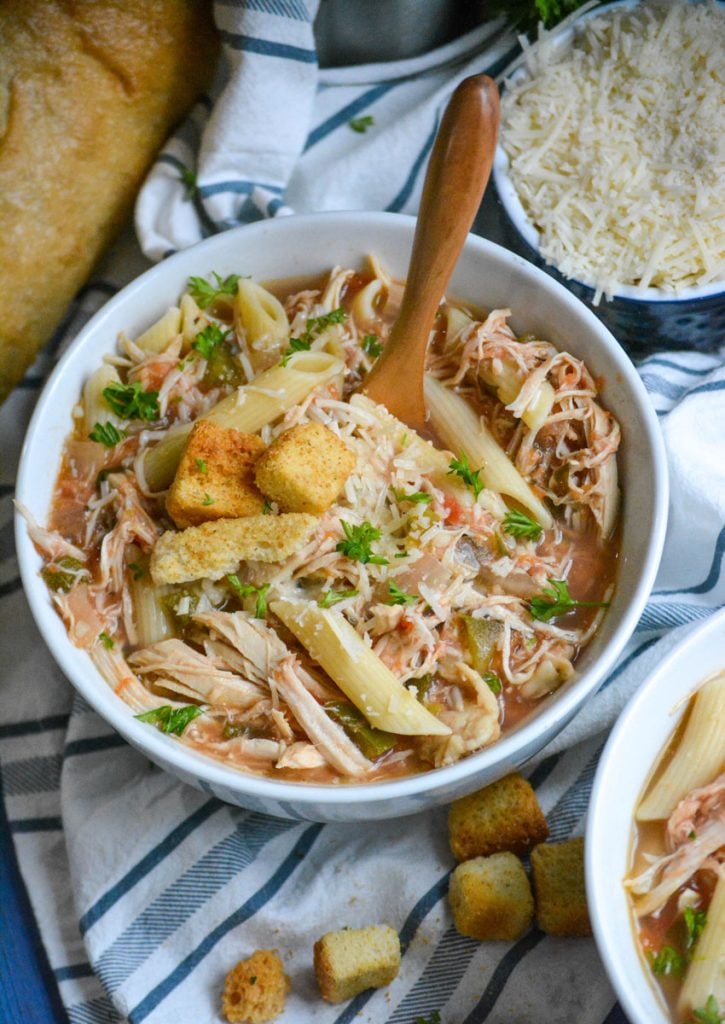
(636, 742)
(487, 275)
(641, 318)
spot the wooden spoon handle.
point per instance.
(458, 170)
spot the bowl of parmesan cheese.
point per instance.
(610, 167)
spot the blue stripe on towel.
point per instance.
(267, 48)
(32, 775)
(34, 726)
(242, 914)
(404, 195)
(670, 364)
(713, 576)
(149, 862)
(21, 825)
(183, 896)
(701, 389)
(347, 112)
(504, 969)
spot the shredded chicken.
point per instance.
(696, 836)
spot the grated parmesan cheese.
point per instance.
(616, 147)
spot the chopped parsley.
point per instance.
(470, 477)
(137, 570)
(171, 720)
(207, 340)
(330, 597)
(692, 834)
(205, 294)
(107, 434)
(106, 640)
(253, 980)
(295, 345)
(398, 596)
(202, 466)
(432, 1018)
(188, 179)
(695, 921)
(131, 402)
(668, 962)
(493, 682)
(556, 600)
(315, 325)
(357, 543)
(208, 500)
(520, 525)
(361, 124)
(415, 497)
(709, 1013)
(243, 590)
(266, 508)
(372, 346)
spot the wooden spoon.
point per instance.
(458, 170)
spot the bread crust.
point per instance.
(88, 93)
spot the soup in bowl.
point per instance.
(290, 590)
(656, 862)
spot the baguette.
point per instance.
(86, 100)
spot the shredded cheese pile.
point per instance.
(617, 148)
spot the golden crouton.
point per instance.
(213, 550)
(503, 816)
(558, 875)
(349, 961)
(305, 468)
(491, 897)
(255, 990)
(215, 478)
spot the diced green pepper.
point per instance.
(222, 368)
(481, 635)
(61, 575)
(372, 742)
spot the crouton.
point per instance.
(503, 816)
(215, 478)
(490, 897)
(255, 990)
(213, 550)
(304, 469)
(354, 959)
(558, 874)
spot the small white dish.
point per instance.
(637, 740)
(486, 275)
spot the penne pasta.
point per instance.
(248, 409)
(193, 320)
(261, 315)
(699, 757)
(152, 624)
(705, 976)
(95, 407)
(366, 303)
(356, 669)
(160, 335)
(463, 430)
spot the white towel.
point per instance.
(147, 891)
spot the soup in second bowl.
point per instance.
(677, 881)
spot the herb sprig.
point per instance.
(171, 720)
(205, 294)
(330, 597)
(207, 340)
(131, 402)
(315, 326)
(517, 524)
(709, 1013)
(358, 541)
(398, 596)
(243, 590)
(415, 497)
(470, 477)
(372, 345)
(556, 600)
(107, 434)
(361, 124)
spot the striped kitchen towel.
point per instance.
(146, 891)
